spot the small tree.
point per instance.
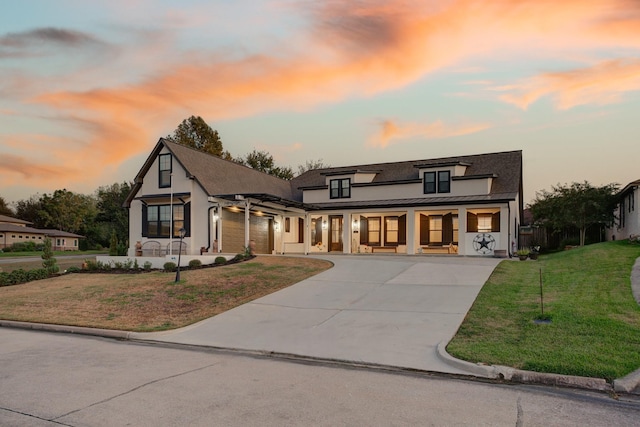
(48, 260)
(579, 205)
(311, 165)
(263, 161)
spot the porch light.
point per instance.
(356, 225)
(324, 225)
(215, 217)
(276, 226)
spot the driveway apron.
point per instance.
(388, 310)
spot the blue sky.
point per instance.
(87, 88)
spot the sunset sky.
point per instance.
(88, 87)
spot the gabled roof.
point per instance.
(629, 187)
(505, 166)
(215, 175)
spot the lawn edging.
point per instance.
(506, 373)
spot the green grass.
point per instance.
(595, 328)
(55, 253)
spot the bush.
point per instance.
(170, 266)
(147, 265)
(73, 269)
(48, 260)
(195, 263)
(220, 260)
(19, 276)
(23, 247)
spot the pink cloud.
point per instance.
(391, 131)
(603, 83)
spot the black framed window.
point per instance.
(340, 188)
(429, 182)
(164, 170)
(156, 220)
(444, 182)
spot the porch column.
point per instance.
(462, 231)
(411, 231)
(247, 223)
(346, 233)
(307, 234)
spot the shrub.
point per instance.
(147, 265)
(73, 269)
(135, 264)
(4, 279)
(48, 260)
(170, 266)
(195, 263)
(220, 260)
(37, 274)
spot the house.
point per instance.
(627, 214)
(13, 230)
(466, 205)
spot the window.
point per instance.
(454, 221)
(316, 231)
(157, 220)
(340, 188)
(443, 185)
(75, 243)
(483, 222)
(373, 227)
(164, 173)
(435, 228)
(287, 225)
(429, 182)
(444, 182)
(631, 202)
(391, 230)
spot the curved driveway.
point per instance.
(388, 310)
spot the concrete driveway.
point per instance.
(388, 310)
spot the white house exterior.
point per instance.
(627, 213)
(465, 205)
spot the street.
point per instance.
(49, 379)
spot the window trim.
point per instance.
(431, 174)
(178, 222)
(443, 181)
(342, 192)
(161, 182)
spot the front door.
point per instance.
(335, 233)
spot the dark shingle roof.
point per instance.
(507, 166)
(11, 220)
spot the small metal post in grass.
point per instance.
(182, 232)
(541, 298)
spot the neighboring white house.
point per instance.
(467, 205)
(627, 213)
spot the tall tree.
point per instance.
(579, 205)
(112, 217)
(311, 165)
(29, 210)
(196, 133)
(4, 208)
(67, 211)
(263, 161)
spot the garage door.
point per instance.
(260, 231)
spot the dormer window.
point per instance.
(340, 188)
(444, 182)
(441, 185)
(164, 172)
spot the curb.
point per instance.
(80, 330)
(529, 377)
(494, 372)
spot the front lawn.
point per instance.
(151, 301)
(595, 328)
